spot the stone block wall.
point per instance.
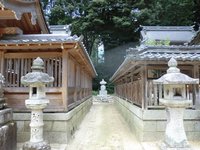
(8, 130)
(149, 125)
(58, 127)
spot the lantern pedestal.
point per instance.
(175, 137)
(36, 146)
(36, 140)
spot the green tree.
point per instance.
(197, 11)
(113, 22)
(162, 12)
(109, 21)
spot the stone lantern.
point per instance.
(175, 100)
(103, 91)
(37, 101)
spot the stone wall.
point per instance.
(58, 127)
(149, 125)
(8, 132)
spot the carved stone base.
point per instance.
(36, 146)
(164, 146)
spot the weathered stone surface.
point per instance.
(175, 100)
(138, 118)
(36, 146)
(37, 102)
(103, 91)
(5, 115)
(165, 146)
(8, 133)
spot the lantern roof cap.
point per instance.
(37, 76)
(174, 76)
(103, 82)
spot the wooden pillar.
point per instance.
(2, 62)
(65, 78)
(196, 87)
(75, 83)
(144, 86)
(126, 88)
(131, 88)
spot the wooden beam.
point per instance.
(33, 55)
(196, 87)
(2, 62)
(27, 46)
(11, 30)
(7, 14)
(144, 87)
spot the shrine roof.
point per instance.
(156, 55)
(182, 53)
(9, 40)
(196, 39)
(26, 15)
(177, 35)
(37, 38)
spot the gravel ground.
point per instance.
(103, 128)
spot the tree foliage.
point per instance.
(114, 22)
(162, 12)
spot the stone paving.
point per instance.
(103, 128)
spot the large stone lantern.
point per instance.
(37, 101)
(175, 101)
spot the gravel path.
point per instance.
(103, 128)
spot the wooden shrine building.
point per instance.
(25, 36)
(136, 96)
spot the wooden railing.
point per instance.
(79, 84)
(155, 92)
(130, 91)
(17, 67)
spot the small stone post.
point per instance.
(175, 101)
(37, 101)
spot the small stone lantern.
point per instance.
(37, 101)
(2, 98)
(103, 91)
(175, 101)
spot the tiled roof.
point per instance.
(167, 28)
(46, 38)
(196, 39)
(177, 35)
(38, 38)
(182, 53)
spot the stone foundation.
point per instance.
(8, 130)
(150, 125)
(58, 127)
